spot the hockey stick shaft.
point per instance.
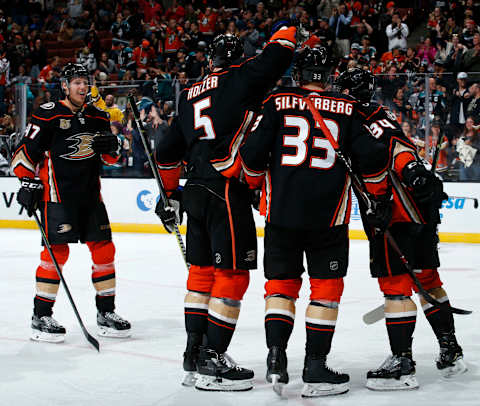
(361, 191)
(153, 167)
(88, 336)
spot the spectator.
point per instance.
(427, 51)
(106, 65)
(171, 36)
(38, 56)
(207, 22)
(196, 69)
(50, 71)
(467, 147)
(87, 59)
(460, 101)
(143, 56)
(455, 55)
(340, 23)
(471, 58)
(397, 33)
(473, 107)
(250, 37)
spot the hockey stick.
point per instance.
(153, 167)
(92, 340)
(361, 191)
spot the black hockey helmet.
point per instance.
(360, 83)
(312, 65)
(73, 70)
(224, 49)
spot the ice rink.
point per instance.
(146, 369)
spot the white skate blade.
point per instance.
(406, 382)
(316, 390)
(458, 368)
(103, 331)
(212, 383)
(277, 386)
(38, 335)
(189, 379)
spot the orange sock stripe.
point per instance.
(197, 313)
(320, 329)
(221, 325)
(401, 322)
(279, 319)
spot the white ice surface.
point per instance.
(146, 369)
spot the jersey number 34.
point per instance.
(299, 141)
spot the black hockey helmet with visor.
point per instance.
(360, 83)
(225, 49)
(312, 65)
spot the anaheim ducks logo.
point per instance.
(82, 147)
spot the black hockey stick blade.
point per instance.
(92, 340)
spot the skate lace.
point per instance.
(389, 363)
(228, 361)
(50, 321)
(113, 316)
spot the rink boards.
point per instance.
(131, 203)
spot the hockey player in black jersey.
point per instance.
(58, 162)
(214, 116)
(408, 198)
(307, 199)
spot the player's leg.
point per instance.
(283, 267)
(327, 258)
(60, 226)
(44, 326)
(96, 232)
(397, 372)
(199, 282)
(232, 235)
(450, 360)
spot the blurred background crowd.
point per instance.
(425, 55)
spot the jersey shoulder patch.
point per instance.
(48, 106)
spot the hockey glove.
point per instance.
(426, 187)
(380, 214)
(30, 194)
(172, 213)
(106, 143)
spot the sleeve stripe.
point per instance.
(51, 118)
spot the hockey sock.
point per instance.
(105, 303)
(103, 272)
(279, 319)
(47, 280)
(196, 312)
(320, 320)
(440, 319)
(222, 319)
(400, 318)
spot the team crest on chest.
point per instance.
(81, 147)
(65, 124)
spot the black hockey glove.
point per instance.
(380, 214)
(106, 143)
(173, 213)
(30, 194)
(426, 187)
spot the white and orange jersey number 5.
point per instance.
(299, 142)
(203, 120)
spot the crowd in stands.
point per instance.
(159, 47)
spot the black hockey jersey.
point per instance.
(306, 186)
(59, 142)
(381, 126)
(216, 113)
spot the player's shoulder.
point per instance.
(371, 111)
(333, 94)
(279, 91)
(96, 112)
(50, 110)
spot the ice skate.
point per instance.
(320, 380)
(277, 369)
(450, 360)
(47, 329)
(110, 324)
(395, 373)
(218, 372)
(190, 358)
